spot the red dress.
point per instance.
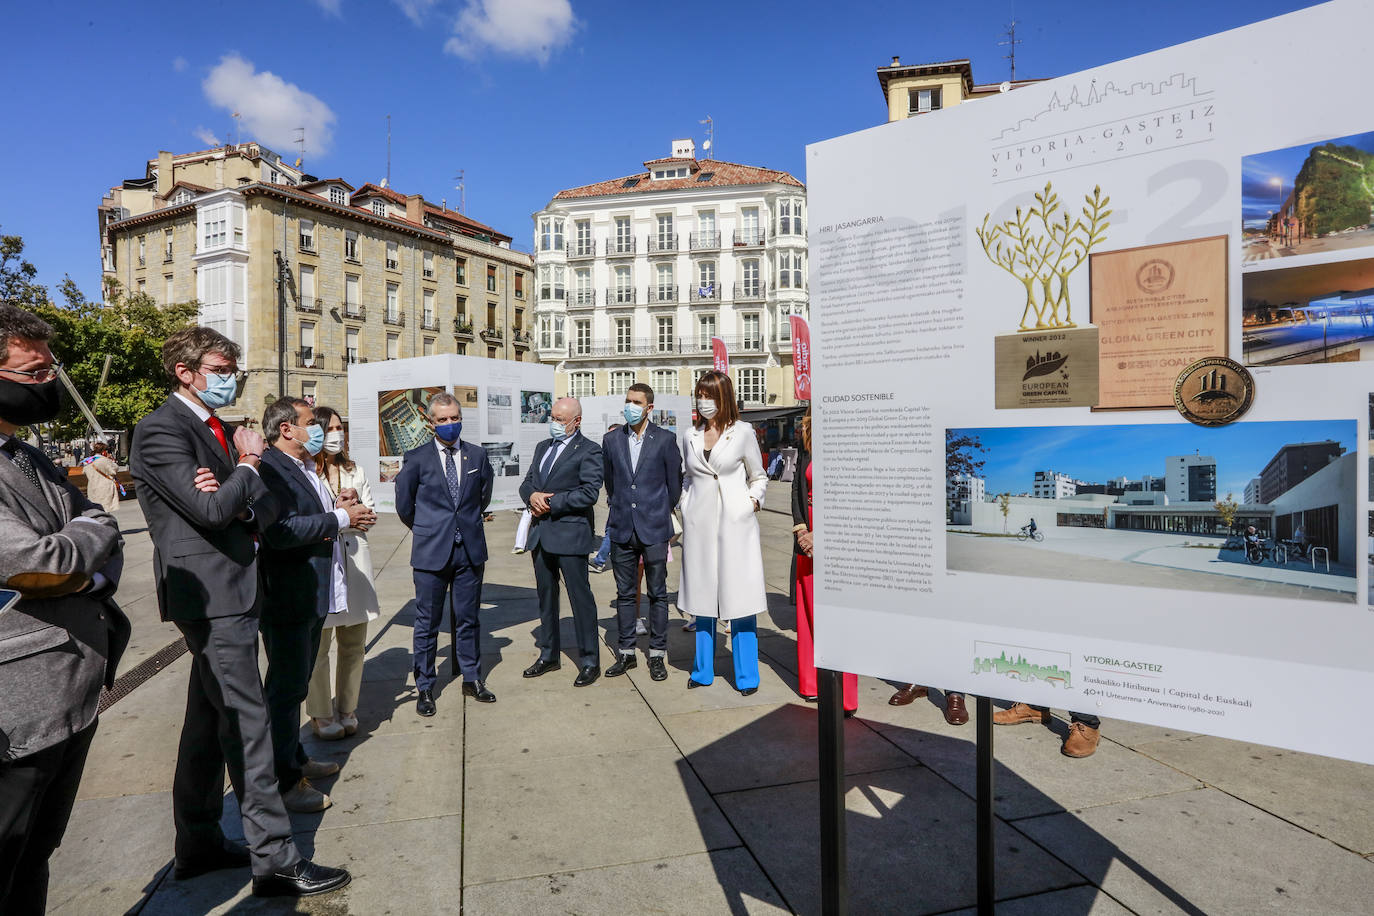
(806, 622)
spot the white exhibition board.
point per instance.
(671, 411)
(505, 409)
(1131, 607)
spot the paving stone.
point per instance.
(1073, 901)
(135, 746)
(910, 839)
(568, 813)
(752, 746)
(724, 881)
(1205, 852)
(115, 850)
(1332, 798)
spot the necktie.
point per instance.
(218, 428)
(451, 472)
(22, 461)
(548, 460)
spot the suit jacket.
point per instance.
(204, 559)
(801, 496)
(297, 556)
(641, 498)
(575, 482)
(425, 507)
(62, 640)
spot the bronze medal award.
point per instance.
(1157, 309)
(1214, 391)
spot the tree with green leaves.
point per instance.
(961, 454)
(1227, 510)
(1004, 505)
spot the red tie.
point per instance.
(218, 427)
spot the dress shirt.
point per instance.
(202, 415)
(457, 446)
(556, 451)
(636, 442)
(338, 593)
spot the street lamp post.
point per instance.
(1278, 182)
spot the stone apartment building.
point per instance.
(309, 275)
(913, 89)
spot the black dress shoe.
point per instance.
(229, 855)
(693, 684)
(478, 691)
(748, 691)
(425, 704)
(587, 675)
(543, 666)
(304, 879)
(658, 669)
(623, 664)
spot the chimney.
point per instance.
(896, 61)
(415, 208)
(684, 149)
(164, 173)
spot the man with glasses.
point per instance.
(60, 635)
(304, 578)
(199, 486)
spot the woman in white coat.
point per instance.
(334, 713)
(723, 486)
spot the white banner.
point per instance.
(506, 409)
(1023, 277)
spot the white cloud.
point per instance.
(519, 28)
(271, 108)
(332, 7)
(180, 64)
(416, 10)
(204, 135)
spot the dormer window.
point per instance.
(920, 101)
(378, 207)
(337, 195)
(182, 196)
(663, 174)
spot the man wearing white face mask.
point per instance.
(561, 489)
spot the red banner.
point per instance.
(719, 355)
(801, 357)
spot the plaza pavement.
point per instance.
(632, 796)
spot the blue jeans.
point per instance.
(603, 556)
(744, 646)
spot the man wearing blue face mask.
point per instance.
(441, 493)
(304, 577)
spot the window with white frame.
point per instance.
(582, 337)
(665, 231)
(551, 281)
(378, 207)
(920, 101)
(460, 271)
(393, 345)
(308, 342)
(393, 256)
(706, 329)
(350, 245)
(142, 250)
(785, 310)
(182, 196)
(558, 331)
(545, 331)
(273, 176)
(214, 227)
(624, 235)
(306, 276)
(753, 338)
(307, 235)
(706, 279)
(491, 278)
(352, 302)
(460, 306)
(790, 217)
(221, 293)
(166, 244)
(749, 279)
(624, 285)
(790, 270)
(427, 299)
(706, 229)
(308, 392)
(584, 245)
(621, 380)
(624, 341)
(749, 382)
(351, 345)
(429, 265)
(664, 381)
(393, 301)
(582, 384)
(665, 334)
(664, 290)
(337, 195)
(749, 233)
(551, 233)
(582, 284)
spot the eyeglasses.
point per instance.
(39, 376)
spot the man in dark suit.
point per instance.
(304, 579)
(206, 573)
(441, 494)
(60, 634)
(561, 488)
(643, 483)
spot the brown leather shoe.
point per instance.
(955, 713)
(908, 694)
(1019, 714)
(1081, 742)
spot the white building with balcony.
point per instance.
(635, 275)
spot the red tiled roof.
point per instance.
(199, 189)
(369, 189)
(311, 184)
(725, 174)
(375, 190)
(666, 159)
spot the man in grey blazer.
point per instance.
(199, 486)
(60, 634)
(561, 487)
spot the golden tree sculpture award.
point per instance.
(1050, 361)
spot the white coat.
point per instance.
(363, 604)
(722, 560)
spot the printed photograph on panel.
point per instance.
(498, 410)
(665, 418)
(1308, 199)
(467, 397)
(401, 419)
(388, 468)
(505, 462)
(1369, 571)
(535, 406)
(1250, 508)
(1320, 313)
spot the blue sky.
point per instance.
(526, 96)
(1098, 453)
(1259, 194)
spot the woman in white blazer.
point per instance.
(334, 713)
(723, 486)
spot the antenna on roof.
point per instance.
(710, 137)
(1011, 41)
(388, 151)
(462, 190)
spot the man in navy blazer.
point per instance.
(561, 489)
(643, 483)
(441, 494)
(304, 580)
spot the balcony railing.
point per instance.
(351, 358)
(307, 244)
(495, 334)
(663, 244)
(706, 241)
(750, 238)
(748, 292)
(429, 323)
(462, 328)
(309, 358)
(395, 319)
(658, 295)
(354, 310)
(620, 296)
(673, 346)
(307, 304)
(620, 248)
(581, 298)
(704, 293)
(585, 249)
(521, 337)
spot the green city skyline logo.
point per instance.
(1023, 670)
